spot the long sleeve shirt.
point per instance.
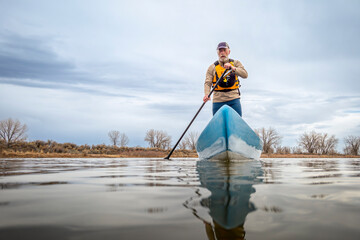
(219, 96)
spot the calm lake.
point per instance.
(179, 199)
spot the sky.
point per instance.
(74, 70)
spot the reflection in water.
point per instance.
(19, 185)
(14, 167)
(230, 184)
(320, 165)
(144, 199)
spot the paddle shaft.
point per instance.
(225, 73)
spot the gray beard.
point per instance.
(224, 60)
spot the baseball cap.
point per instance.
(222, 45)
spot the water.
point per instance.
(179, 199)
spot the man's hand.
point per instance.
(229, 66)
(206, 98)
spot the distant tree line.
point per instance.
(13, 135)
(309, 142)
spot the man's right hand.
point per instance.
(206, 98)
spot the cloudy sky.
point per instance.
(74, 70)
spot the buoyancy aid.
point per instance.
(231, 82)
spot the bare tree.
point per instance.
(163, 140)
(124, 140)
(327, 144)
(150, 137)
(270, 138)
(158, 139)
(352, 145)
(12, 131)
(283, 150)
(191, 140)
(183, 144)
(310, 142)
(296, 150)
(114, 137)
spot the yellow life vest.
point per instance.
(231, 82)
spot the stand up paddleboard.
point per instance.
(228, 137)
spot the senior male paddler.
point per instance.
(227, 92)
(227, 89)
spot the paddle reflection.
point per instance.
(230, 185)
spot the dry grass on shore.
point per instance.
(52, 149)
(126, 154)
(306, 155)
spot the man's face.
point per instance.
(223, 53)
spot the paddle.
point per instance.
(225, 73)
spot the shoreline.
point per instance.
(151, 154)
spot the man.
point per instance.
(227, 92)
